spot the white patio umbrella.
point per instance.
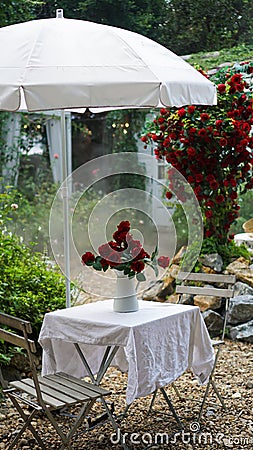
(65, 63)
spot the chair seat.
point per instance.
(60, 390)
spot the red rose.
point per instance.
(104, 263)
(192, 130)
(191, 151)
(168, 195)
(244, 142)
(204, 117)
(246, 127)
(163, 261)
(210, 203)
(233, 195)
(133, 243)
(190, 179)
(209, 214)
(135, 252)
(223, 142)
(202, 132)
(104, 250)
(113, 259)
(220, 198)
(124, 226)
(218, 123)
(120, 236)
(191, 109)
(236, 78)
(181, 112)
(116, 246)
(137, 266)
(199, 177)
(197, 190)
(232, 90)
(214, 185)
(139, 253)
(87, 258)
(221, 88)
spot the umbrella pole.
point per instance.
(65, 196)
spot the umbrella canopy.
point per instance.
(66, 63)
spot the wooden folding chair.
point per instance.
(196, 287)
(216, 285)
(48, 394)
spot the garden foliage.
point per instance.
(29, 287)
(211, 147)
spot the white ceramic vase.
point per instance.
(125, 299)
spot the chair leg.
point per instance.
(63, 437)
(155, 392)
(209, 384)
(27, 424)
(79, 419)
(218, 395)
(152, 401)
(204, 400)
(124, 413)
(171, 407)
(168, 401)
(115, 425)
(177, 391)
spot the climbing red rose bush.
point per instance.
(125, 254)
(211, 147)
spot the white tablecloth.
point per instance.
(157, 343)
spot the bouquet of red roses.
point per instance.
(125, 254)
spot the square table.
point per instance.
(155, 344)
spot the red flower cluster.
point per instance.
(124, 253)
(212, 148)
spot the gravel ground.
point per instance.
(219, 429)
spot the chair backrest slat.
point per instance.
(191, 285)
(21, 341)
(196, 289)
(18, 341)
(208, 277)
(14, 322)
(209, 291)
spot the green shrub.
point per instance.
(31, 219)
(232, 55)
(228, 251)
(28, 286)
